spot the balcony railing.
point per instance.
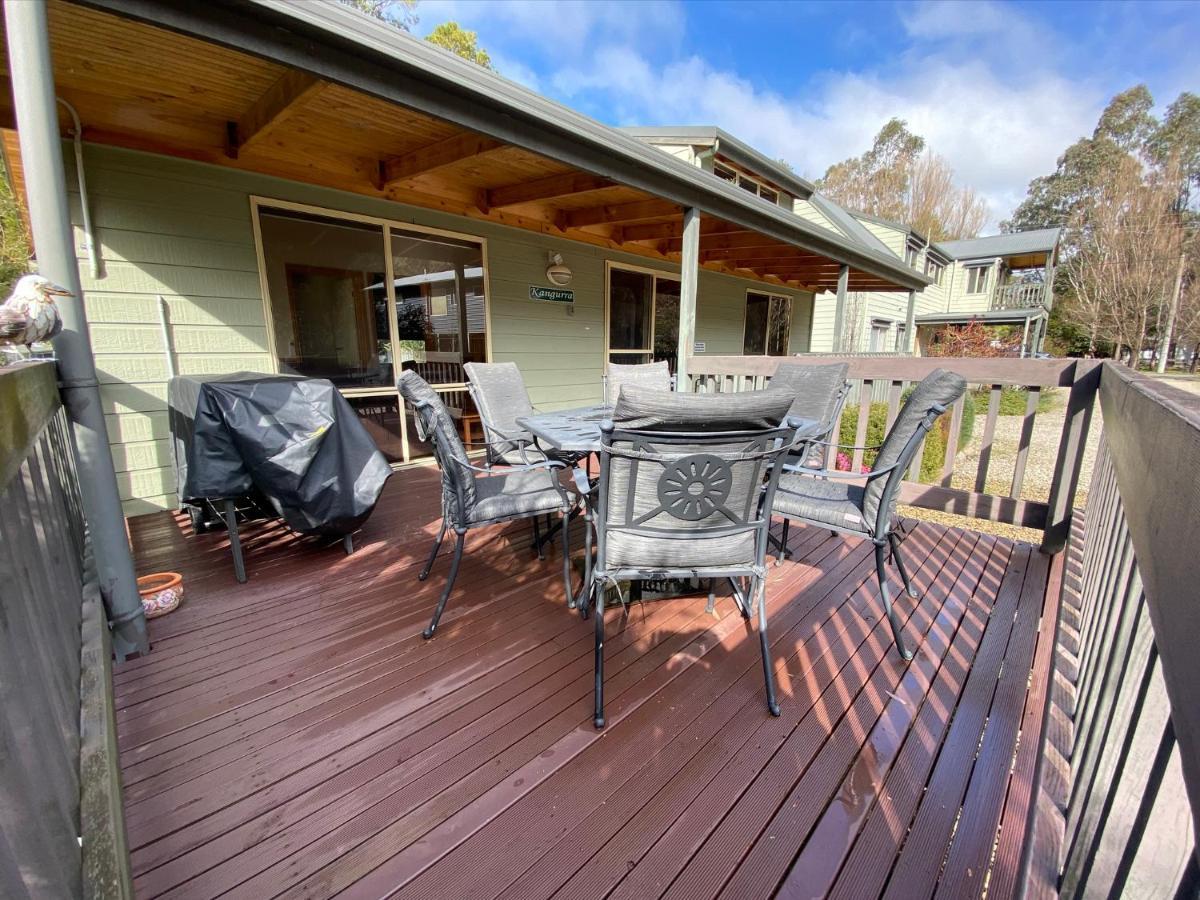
(1018, 296)
(1116, 804)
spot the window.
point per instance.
(912, 254)
(977, 279)
(934, 269)
(724, 173)
(643, 316)
(745, 182)
(901, 338)
(768, 325)
(879, 333)
(335, 314)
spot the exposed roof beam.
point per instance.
(435, 156)
(278, 103)
(660, 230)
(619, 212)
(737, 241)
(765, 253)
(549, 188)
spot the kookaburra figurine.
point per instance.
(30, 315)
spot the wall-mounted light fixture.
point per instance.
(557, 272)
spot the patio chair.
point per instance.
(820, 394)
(826, 499)
(681, 495)
(473, 496)
(501, 398)
(651, 375)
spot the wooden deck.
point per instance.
(296, 737)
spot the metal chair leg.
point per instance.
(582, 600)
(348, 543)
(537, 539)
(598, 718)
(760, 588)
(783, 543)
(903, 569)
(566, 554)
(441, 605)
(437, 546)
(893, 616)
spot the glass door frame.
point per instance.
(656, 274)
(259, 203)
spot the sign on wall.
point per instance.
(698, 347)
(552, 295)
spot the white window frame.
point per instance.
(935, 269)
(258, 203)
(912, 254)
(977, 274)
(771, 298)
(882, 328)
(609, 266)
(736, 176)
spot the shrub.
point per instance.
(1013, 400)
(935, 444)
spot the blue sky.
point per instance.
(999, 89)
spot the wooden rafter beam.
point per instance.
(550, 188)
(741, 240)
(658, 231)
(431, 157)
(616, 213)
(766, 255)
(277, 104)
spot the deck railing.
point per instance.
(980, 496)
(61, 826)
(1121, 767)
(1019, 296)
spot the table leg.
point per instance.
(235, 542)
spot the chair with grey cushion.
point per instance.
(650, 375)
(820, 393)
(501, 398)
(473, 496)
(828, 499)
(685, 491)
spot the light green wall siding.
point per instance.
(183, 229)
(805, 210)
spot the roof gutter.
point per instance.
(345, 47)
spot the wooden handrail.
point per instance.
(1000, 370)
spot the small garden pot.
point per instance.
(161, 593)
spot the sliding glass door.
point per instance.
(356, 300)
(643, 316)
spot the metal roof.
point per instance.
(1041, 240)
(990, 316)
(848, 222)
(339, 44)
(732, 148)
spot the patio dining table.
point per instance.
(568, 430)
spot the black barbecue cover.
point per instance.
(295, 439)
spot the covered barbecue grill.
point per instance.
(249, 445)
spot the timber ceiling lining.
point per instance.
(142, 87)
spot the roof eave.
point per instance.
(346, 47)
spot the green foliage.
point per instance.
(453, 37)
(401, 13)
(934, 454)
(14, 240)
(1013, 400)
(877, 182)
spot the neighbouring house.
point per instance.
(1003, 280)
(309, 190)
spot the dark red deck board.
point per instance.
(294, 736)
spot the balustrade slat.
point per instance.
(956, 414)
(1109, 751)
(893, 403)
(860, 430)
(1031, 405)
(989, 434)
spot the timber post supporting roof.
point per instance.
(318, 93)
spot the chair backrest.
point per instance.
(651, 375)
(932, 396)
(435, 424)
(682, 489)
(501, 398)
(819, 391)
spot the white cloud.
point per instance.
(977, 80)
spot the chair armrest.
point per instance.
(838, 473)
(579, 477)
(527, 467)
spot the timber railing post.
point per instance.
(1076, 424)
